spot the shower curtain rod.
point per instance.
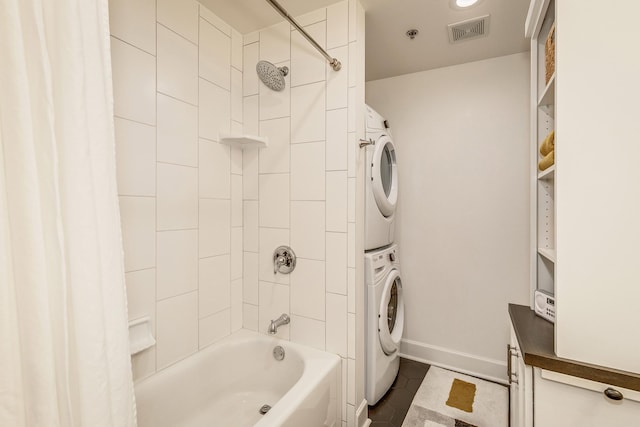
(335, 64)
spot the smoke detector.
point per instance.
(469, 29)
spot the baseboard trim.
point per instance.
(481, 367)
(362, 414)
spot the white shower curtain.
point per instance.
(64, 355)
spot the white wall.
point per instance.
(301, 190)
(177, 73)
(463, 213)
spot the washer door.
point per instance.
(391, 318)
(384, 175)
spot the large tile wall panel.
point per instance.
(177, 328)
(177, 131)
(177, 66)
(309, 66)
(308, 113)
(181, 193)
(215, 55)
(177, 263)
(177, 197)
(134, 82)
(180, 16)
(134, 22)
(312, 132)
(138, 219)
(135, 158)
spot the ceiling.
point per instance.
(389, 52)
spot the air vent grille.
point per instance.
(469, 29)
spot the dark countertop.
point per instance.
(536, 341)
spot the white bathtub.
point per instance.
(227, 384)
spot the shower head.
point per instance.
(271, 76)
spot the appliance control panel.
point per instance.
(545, 305)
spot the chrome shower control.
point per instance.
(284, 260)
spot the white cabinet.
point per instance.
(585, 224)
(547, 391)
(520, 386)
(562, 400)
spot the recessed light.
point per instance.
(463, 4)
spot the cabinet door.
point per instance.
(562, 400)
(520, 387)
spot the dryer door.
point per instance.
(391, 318)
(384, 175)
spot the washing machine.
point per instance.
(381, 183)
(385, 321)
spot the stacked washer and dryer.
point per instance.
(384, 305)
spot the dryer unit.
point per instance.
(381, 183)
(384, 321)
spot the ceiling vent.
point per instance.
(470, 29)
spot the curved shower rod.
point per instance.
(335, 64)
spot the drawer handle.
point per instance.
(613, 394)
(511, 351)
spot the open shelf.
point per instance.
(547, 174)
(548, 94)
(244, 141)
(549, 254)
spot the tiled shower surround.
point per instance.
(201, 219)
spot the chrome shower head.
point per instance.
(271, 76)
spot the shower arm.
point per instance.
(335, 64)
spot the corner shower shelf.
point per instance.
(244, 141)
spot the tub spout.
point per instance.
(282, 320)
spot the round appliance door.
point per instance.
(384, 175)
(391, 319)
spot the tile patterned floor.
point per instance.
(392, 408)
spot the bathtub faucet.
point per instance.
(282, 320)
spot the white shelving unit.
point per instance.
(543, 236)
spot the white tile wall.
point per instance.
(177, 263)
(215, 55)
(308, 65)
(337, 263)
(312, 138)
(308, 289)
(337, 191)
(180, 196)
(215, 110)
(177, 131)
(135, 22)
(134, 82)
(215, 227)
(227, 209)
(136, 158)
(215, 170)
(308, 113)
(138, 217)
(177, 197)
(274, 191)
(308, 171)
(308, 229)
(214, 285)
(180, 16)
(275, 43)
(276, 158)
(177, 335)
(177, 66)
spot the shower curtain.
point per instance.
(64, 351)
